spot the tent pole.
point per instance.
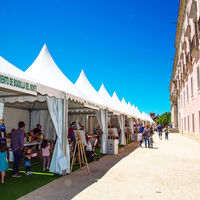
(65, 127)
(29, 120)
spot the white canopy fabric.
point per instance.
(126, 108)
(59, 161)
(138, 113)
(117, 102)
(121, 120)
(8, 69)
(131, 109)
(91, 94)
(102, 117)
(135, 111)
(105, 95)
(45, 71)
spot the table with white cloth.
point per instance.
(28, 144)
(83, 136)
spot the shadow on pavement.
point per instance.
(69, 186)
(79, 180)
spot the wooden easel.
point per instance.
(81, 151)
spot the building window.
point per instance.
(187, 93)
(188, 121)
(198, 77)
(191, 81)
(193, 125)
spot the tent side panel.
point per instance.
(13, 115)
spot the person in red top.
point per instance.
(17, 143)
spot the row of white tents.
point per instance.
(47, 94)
(45, 71)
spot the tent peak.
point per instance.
(102, 87)
(82, 72)
(114, 93)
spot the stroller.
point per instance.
(90, 150)
(91, 155)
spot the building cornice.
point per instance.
(179, 29)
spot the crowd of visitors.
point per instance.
(142, 133)
(146, 132)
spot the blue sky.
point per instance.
(127, 45)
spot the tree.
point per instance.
(164, 119)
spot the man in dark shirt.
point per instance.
(159, 127)
(37, 130)
(17, 143)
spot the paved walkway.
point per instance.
(69, 186)
(169, 171)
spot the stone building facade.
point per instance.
(185, 79)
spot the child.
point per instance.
(166, 133)
(3, 161)
(151, 141)
(140, 138)
(27, 161)
(45, 154)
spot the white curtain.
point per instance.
(58, 162)
(121, 120)
(130, 121)
(102, 117)
(1, 110)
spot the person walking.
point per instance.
(141, 128)
(166, 130)
(147, 136)
(17, 143)
(3, 161)
(140, 139)
(159, 127)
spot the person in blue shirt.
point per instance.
(141, 128)
(159, 127)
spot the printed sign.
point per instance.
(17, 84)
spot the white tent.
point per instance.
(25, 96)
(105, 95)
(126, 108)
(117, 102)
(90, 93)
(45, 71)
(121, 119)
(135, 112)
(138, 113)
(131, 109)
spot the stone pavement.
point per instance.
(169, 171)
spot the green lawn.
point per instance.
(14, 188)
